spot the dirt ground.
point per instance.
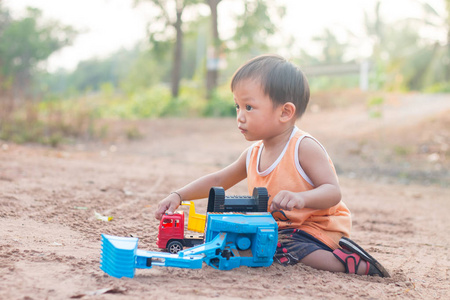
(394, 174)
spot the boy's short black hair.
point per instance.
(281, 80)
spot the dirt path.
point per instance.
(50, 244)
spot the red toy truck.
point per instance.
(171, 235)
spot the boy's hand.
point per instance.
(168, 204)
(287, 201)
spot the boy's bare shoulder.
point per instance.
(310, 149)
(309, 143)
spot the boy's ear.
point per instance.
(287, 112)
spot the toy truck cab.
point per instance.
(171, 234)
(171, 227)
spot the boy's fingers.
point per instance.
(158, 215)
(165, 206)
(273, 206)
(160, 212)
(171, 209)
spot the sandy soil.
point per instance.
(394, 173)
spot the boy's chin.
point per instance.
(250, 139)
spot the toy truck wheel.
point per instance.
(174, 247)
(261, 196)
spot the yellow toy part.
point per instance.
(196, 222)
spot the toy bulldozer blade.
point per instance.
(120, 257)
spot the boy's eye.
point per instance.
(248, 107)
(237, 106)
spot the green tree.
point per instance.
(24, 44)
(141, 74)
(170, 15)
(376, 27)
(434, 55)
(212, 68)
(404, 59)
(5, 20)
(332, 50)
(91, 74)
(254, 27)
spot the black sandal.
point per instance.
(373, 266)
(350, 260)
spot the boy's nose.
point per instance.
(240, 116)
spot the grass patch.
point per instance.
(54, 120)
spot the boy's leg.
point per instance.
(327, 261)
(297, 246)
(323, 260)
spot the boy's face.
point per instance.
(257, 117)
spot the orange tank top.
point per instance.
(286, 173)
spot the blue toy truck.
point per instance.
(243, 237)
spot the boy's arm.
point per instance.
(326, 192)
(199, 188)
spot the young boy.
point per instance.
(270, 94)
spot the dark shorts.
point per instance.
(294, 245)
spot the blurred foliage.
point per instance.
(254, 26)
(375, 106)
(24, 44)
(139, 82)
(332, 50)
(52, 122)
(405, 60)
(220, 104)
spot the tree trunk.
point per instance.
(447, 72)
(212, 64)
(176, 70)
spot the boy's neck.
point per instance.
(280, 140)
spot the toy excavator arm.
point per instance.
(120, 256)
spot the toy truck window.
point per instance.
(167, 223)
(177, 223)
